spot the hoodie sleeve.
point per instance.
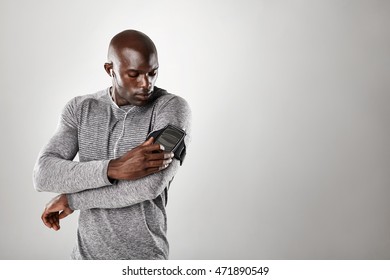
(55, 171)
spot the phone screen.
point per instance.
(169, 138)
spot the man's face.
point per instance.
(134, 76)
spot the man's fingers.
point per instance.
(155, 169)
(54, 221)
(153, 148)
(144, 148)
(163, 167)
(159, 156)
(51, 220)
(157, 163)
(45, 220)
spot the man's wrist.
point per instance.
(112, 170)
(69, 200)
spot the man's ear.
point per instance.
(108, 68)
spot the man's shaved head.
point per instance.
(130, 39)
(132, 64)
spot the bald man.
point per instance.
(120, 184)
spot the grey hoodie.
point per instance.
(126, 219)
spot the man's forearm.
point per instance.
(56, 175)
(124, 192)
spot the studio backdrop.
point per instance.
(290, 155)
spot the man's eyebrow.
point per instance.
(137, 70)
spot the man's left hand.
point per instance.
(58, 208)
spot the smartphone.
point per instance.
(170, 138)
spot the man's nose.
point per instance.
(145, 81)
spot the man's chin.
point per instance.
(140, 103)
(142, 99)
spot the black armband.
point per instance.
(172, 138)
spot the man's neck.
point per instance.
(117, 99)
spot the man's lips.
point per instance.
(143, 96)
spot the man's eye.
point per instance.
(153, 73)
(133, 74)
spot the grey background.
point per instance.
(290, 157)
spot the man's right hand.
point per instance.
(146, 159)
(58, 208)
